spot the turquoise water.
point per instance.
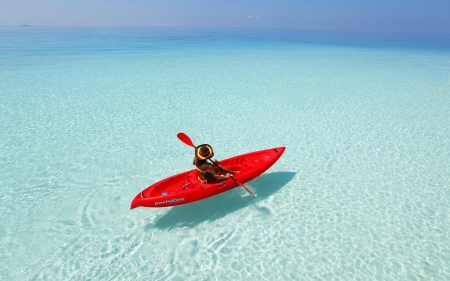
(89, 118)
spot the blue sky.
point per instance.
(429, 16)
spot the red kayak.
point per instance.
(186, 188)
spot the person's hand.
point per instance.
(227, 176)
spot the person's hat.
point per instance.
(203, 152)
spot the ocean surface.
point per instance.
(89, 117)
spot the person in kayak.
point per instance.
(206, 170)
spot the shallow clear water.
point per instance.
(89, 118)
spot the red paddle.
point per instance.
(187, 140)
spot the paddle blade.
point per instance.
(184, 138)
(246, 188)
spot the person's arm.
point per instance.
(214, 174)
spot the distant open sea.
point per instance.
(89, 117)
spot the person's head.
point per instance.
(203, 152)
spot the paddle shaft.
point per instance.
(223, 172)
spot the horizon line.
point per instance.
(222, 27)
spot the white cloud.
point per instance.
(252, 17)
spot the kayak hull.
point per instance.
(185, 188)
